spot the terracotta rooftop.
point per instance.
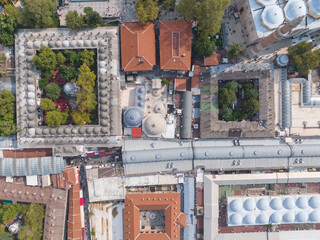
(74, 217)
(138, 51)
(195, 82)
(212, 60)
(181, 84)
(27, 153)
(169, 202)
(175, 45)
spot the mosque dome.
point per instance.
(154, 125)
(132, 117)
(262, 204)
(314, 202)
(236, 219)
(276, 217)
(288, 217)
(302, 217)
(295, 9)
(249, 219)
(282, 60)
(249, 204)
(235, 205)
(276, 204)
(288, 203)
(315, 216)
(302, 202)
(262, 218)
(272, 17)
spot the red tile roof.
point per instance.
(175, 45)
(27, 153)
(174, 218)
(74, 217)
(181, 84)
(136, 132)
(212, 60)
(195, 82)
(138, 51)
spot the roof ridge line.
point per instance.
(124, 24)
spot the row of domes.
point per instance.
(275, 204)
(273, 15)
(276, 218)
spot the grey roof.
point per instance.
(189, 232)
(186, 122)
(132, 116)
(286, 99)
(31, 166)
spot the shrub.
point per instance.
(53, 91)
(205, 46)
(165, 81)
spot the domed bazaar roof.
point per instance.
(314, 8)
(154, 125)
(272, 17)
(295, 9)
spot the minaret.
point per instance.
(281, 32)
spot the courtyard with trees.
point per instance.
(68, 80)
(238, 100)
(8, 124)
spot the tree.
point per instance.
(55, 118)
(169, 4)
(226, 97)
(205, 46)
(43, 82)
(251, 106)
(3, 58)
(226, 113)
(86, 79)
(80, 118)
(72, 57)
(207, 13)
(88, 103)
(74, 20)
(53, 90)
(251, 93)
(60, 58)
(247, 86)
(45, 60)
(86, 57)
(7, 30)
(8, 124)
(68, 73)
(39, 14)
(92, 18)
(234, 51)
(47, 104)
(13, 12)
(303, 58)
(233, 85)
(6, 236)
(9, 213)
(147, 10)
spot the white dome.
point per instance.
(314, 8)
(65, 43)
(288, 217)
(31, 88)
(31, 95)
(314, 202)
(262, 218)
(249, 219)
(132, 117)
(276, 203)
(154, 125)
(283, 60)
(276, 217)
(315, 216)
(272, 17)
(103, 71)
(288, 203)
(266, 2)
(236, 219)
(295, 9)
(249, 204)
(235, 205)
(102, 64)
(302, 217)
(262, 204)
(159, 108)
(31, 102)
(302, 202)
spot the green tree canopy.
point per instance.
(234, 51)
(233, 85)
(303, 58)
(251, 106)
(208, 14)
(13, 12)
(60, 58)
(251, 93)
(86, 57)
(68, 73)
(39, 14)
(7, 30)
(226, 114)
(45, 60)
(47, 104)
(86, 79)
(74, 20)
(4, 2)
(147, 10)
(43, 82)
(169, 4)
(55, 118)
(226, 97)
(92, 18)
(53, 90)
(8, 124)
(6, 236)
(205, 46)
(72, 57)
(80, 118)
